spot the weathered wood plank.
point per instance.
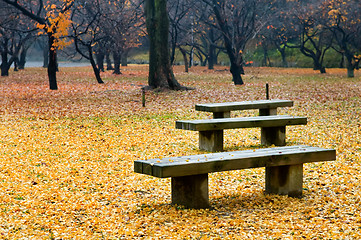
(234, 106)
(225, 161)
(243, 122)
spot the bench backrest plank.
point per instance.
(246, 105)
(226, 161)
(243, 122)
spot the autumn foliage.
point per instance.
(67, 157)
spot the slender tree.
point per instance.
(239, 21)
(87, 33)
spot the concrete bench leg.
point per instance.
(285, 180)
(273, 135)
(221, 114)
(190, 191)
(211, 140)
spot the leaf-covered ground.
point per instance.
(67, 157)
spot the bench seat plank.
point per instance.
(242, 122)
(225, 161)
(234, 106)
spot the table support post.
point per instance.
(211, 141)
(273, 136)
(285, 180)
(190, 191)
(221, 114)
(268, 111)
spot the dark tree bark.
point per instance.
(96, 69)
(350, 64)
(53, 65)
(266, 60)
(117, 59)
(100, 60)
(236, 59)
(124, 57)
(282, 51)
(185, 59)
(160, 70)
(211, 56)
(4, 58)
(109, 62)
(88, 56)
(22, 59)
(16, 64)
(342, 61)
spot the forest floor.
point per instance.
(67, 157)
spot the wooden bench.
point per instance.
(273, 129)
(222, 110)
(189, 174)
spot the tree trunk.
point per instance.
(124, 58)
(318, 66)
(211, 56)
(282, 51)
(201, 59)
(100, 61)
(185, 59)
(116, 58)
(236, 71)
(109, 62)
(266, 62)
(22, 59)
(53, 65)
(160, 70)
(342, 62)
(235, 58)
(16, 64)
(191, 57)
(4, 64)
(284, 60)
(173, 46)
(96, 70)
(350, 72)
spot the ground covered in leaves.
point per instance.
(67, 157)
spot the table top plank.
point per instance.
(234, 106)
(226, 161)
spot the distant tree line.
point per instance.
(103, 32)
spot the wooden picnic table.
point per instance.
(222, 110)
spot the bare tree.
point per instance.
(239, 21)
(86, 25)
(15, 32)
